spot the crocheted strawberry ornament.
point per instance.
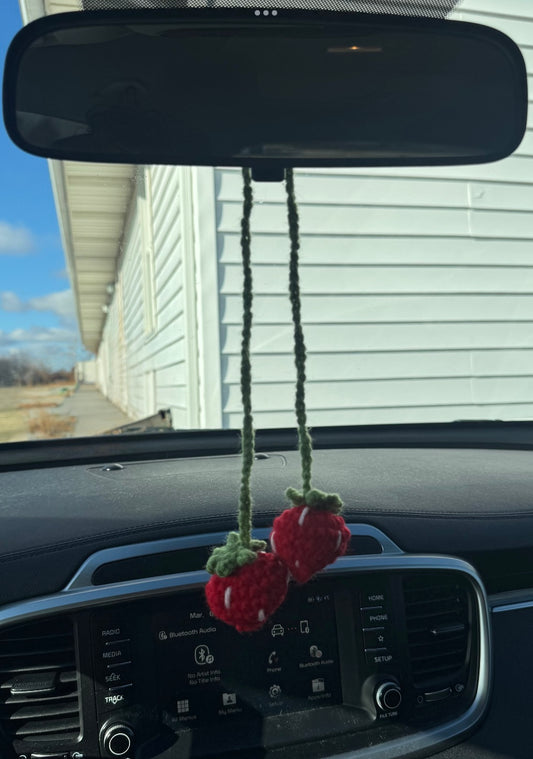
(310, 535)
(248, 585)
(248, 596)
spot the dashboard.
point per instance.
(393, 651)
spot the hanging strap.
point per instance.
(239, 548)
(308, 496)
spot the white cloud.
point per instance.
(42, 334)
(59, 303)
(15, 240)
(39, 335)
(11, 302)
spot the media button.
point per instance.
(116, 653)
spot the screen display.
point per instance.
(210, 674)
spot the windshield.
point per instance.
(121, 303)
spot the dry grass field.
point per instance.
(27, 413)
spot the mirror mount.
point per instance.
(268, 174)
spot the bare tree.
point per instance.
(19, 369)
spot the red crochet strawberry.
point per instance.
(311, 534)
(247, 585)
(246, 598)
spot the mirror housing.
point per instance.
(240, 88)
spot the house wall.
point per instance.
(417, 290)
(141, 356)
(159, 348)
(85, 371)
(417, 285)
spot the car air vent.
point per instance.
(38, 683)
(192, 559)
(437, 610)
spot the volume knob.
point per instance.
(117, 740)
(388, 696)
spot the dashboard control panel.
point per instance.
(345, 656)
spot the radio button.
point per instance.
(109, 630)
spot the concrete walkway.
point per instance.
(94, 413)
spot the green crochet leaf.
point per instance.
(315, 499)
(228, 558)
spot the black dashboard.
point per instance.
(107, 647)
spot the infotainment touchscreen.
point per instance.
(208, 673)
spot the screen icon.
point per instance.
(183, 706)
(315, 652)
(202, 655)
(274, 691)
(278, 631)
(318, 685)
(229, 699)
(304, 627)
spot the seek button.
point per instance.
(119, 675)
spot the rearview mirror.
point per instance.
(266, 89)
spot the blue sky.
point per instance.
(36, 305)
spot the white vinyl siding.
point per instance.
(154, 354)
(417, 285)
(166, 351)
(417, 289)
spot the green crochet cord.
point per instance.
(308, 495)
(240, 549)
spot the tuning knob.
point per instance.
(117, 740)
(388, 696)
